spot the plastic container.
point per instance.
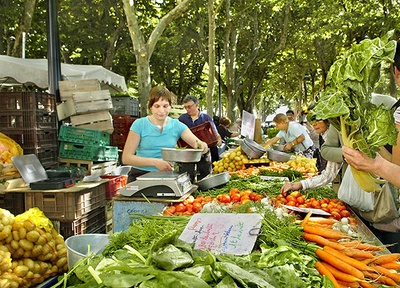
(204, 132)
(78, 245)
(83, 136)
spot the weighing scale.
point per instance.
(160, 185)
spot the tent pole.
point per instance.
(53, 46)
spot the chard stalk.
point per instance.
(95, 275)
(133, 251)
(365, 180)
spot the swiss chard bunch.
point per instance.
(346, 101)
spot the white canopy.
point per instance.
(14, 71)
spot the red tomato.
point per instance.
(207, 199)
(345, 213)
(170, 210)
(291, 203)
(336, 215)
(244, 199)
(197, 207)
(234, 191)
(180, 207)
(235, 197)
(300, 199)
(290, 198)
(225, 198)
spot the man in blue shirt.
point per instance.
(194, 117)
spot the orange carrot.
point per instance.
(343, 257)
(366, 284)
(391, 265)
(324, 271)
(325, 232)
(392, 275)
(385, 258)
(321, 241)
(339, 275)
(349, 284)
(305, 220)
(339, 264)
(328, 221)
(379, 278)
(358, 254)
(362, 246)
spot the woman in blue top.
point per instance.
(149, 134)
(294, 135)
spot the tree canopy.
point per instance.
(267, 53)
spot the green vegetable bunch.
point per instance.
(346, 101)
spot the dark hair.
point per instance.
(290, 111)
(191, 98)
(159, 92)
(397, 56)
(225, 121)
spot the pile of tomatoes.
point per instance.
(335, 207)
(192, 205)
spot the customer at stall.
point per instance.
(328, 170)
(290, 115)
(148, 135)
(293, 134)
(237, 126)
(194, 117)
(223, 129)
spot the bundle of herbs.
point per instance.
(346, 101)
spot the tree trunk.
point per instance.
(25, 26)
(143, 50)
(211, 58)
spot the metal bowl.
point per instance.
(279, 156)
(182, 155)
(252, 149)
(213, 180)
(278, 147)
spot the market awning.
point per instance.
(18, 71)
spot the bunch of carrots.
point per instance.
(349, 262)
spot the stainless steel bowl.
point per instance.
(278, 147)
(182, 155)
(279, 156)
(213, 180)
(252, 149)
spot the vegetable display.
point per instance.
(346, 101)
(31, 250)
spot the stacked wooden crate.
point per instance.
(85, 105)
(29, 118)
(125, 111)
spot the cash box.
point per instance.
(34, 174)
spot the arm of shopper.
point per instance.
(331, 150)
(129, 156)
(377, 165)
(295, 142)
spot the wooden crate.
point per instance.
(101, 121)
(67, 88)
(84, 102)
(91, 168)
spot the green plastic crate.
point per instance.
(88, 152)
(83, 136)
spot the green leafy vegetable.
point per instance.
(346, 101)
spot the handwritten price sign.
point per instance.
(222, 233)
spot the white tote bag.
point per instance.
(351, 193)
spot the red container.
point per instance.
(115, 183)
(204, 132)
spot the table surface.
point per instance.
(76, 188)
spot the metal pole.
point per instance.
(219, 83)
(53, 46)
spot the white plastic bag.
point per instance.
(351, 193)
